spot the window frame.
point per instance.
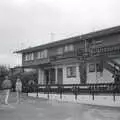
(91, 67)
(69, 48)
(60, 51)
(42, 54)
(70, 71)
(29, 56)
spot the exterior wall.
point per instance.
(117, 60)
(72, 80)
(107, 76)
(51, 52)
(40, 76)
(110, 40)
(97, 77)
(92, 77)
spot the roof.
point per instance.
(103, 32)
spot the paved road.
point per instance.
(41, 109)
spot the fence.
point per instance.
(75, 89)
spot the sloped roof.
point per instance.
(103, 32)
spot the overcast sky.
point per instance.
(25, 23)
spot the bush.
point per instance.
(25, 78)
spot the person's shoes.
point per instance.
(6, 104)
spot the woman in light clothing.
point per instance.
(18, 89)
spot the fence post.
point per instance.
(37, 91)
(114, 91)
(93, 97)
(27, 90)
(76, 93)
(60, 90)
(48, 92)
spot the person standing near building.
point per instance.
(6, 86)
(18, 89)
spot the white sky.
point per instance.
(25, 23)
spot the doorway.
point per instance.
(60, 76)
(83, 73)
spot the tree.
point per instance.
(24, 76)
(4, 70)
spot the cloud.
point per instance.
(30, 22)
(7, 59)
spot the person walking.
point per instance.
(6, 86)
(18, 89)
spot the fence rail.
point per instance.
(75, 89)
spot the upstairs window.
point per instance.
(69, 48)
(29, 56)
(60, 51)
(71, 71)
(42, 54)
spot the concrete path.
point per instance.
(42, 109)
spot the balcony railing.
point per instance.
(64, 55)
(107, 50)
(36, 62)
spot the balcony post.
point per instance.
(40, 76)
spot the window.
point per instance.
(99, 67)
(60, 51)
(96, 43)
(91, 67)
(66, 48)
(29, 56)
(71, 71)
(42, 54)
(69, 48)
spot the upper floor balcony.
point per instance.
(100, 51)
(36, 62)
(71, 54)
(111, 50)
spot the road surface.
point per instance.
(41, 109)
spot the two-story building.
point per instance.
(88, 58)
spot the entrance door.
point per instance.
(52, 76)
(46, 76)
(60, 76)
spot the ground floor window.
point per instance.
(91, 67)
(71, 71)
(98, 67)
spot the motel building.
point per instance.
(88, 58)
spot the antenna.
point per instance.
(52, 36)
(22, 45)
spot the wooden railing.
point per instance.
(64, 55)
(107, 50)
(90, 52)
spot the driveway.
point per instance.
(42, 109)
